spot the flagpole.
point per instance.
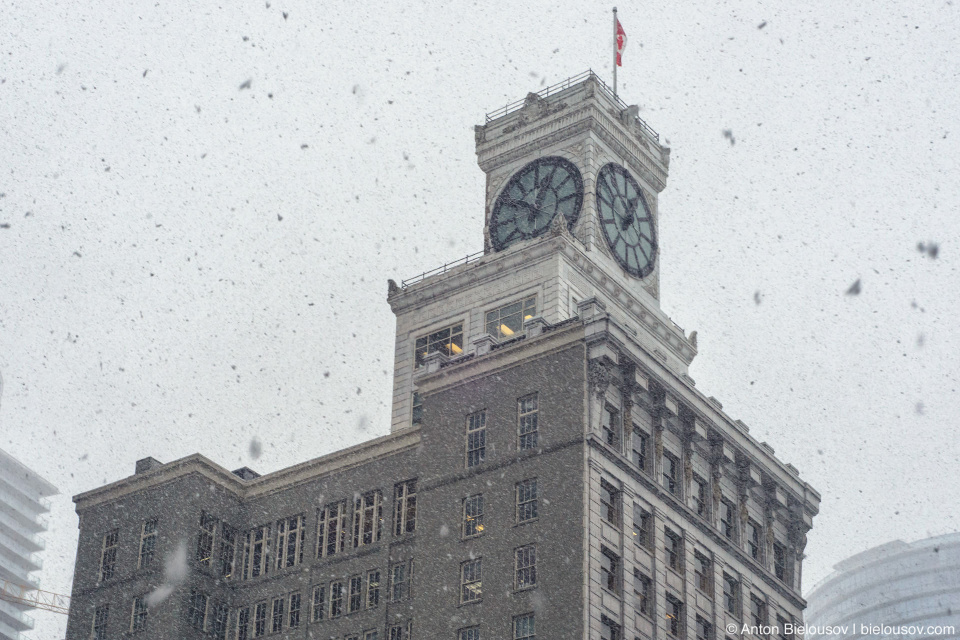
(614, 53)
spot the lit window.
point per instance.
(727, 519)
(367, 519)
(610, 426)
(470, 581)
(780, 561)
(336, 599)
(610, 503)
(704, 629)
(277, 617)
(671, 474)
(290, 537)
(260, 620)
(448, 340)
(642, 526)
(528, 413)
(754, 536)
(331, 530)
(138, 616)
(148, 543)
(609, 630)
(108, 554)
(731, 595)
(373, 589)
(476, 438)
(243, 623)
(294, 620)
(643, 590)
(400, 581)
(640, 449)
(416, 416)
(526, 567)
(218, 620)
(319, 603)
(355, 603)
(208, 531)
(508, 320)
(524, 627)
(526, 501)
(609, 570)
(228, 550)
(405, 507)
(255, 546)
(699, 496)
(197, 613)
(674, 616)
(473, 633)
(674, 550)
(703, 569)
(473, 516)
(100, 615)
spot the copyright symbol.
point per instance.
(731, 628)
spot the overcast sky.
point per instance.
(201, 204)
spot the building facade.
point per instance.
(896, 590)
(551, 470)
(22, 505)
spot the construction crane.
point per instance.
(35, 598)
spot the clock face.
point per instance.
(533, 197)
(626, 220)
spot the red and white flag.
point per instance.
(621, 42)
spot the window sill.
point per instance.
(532, 520)
(527, 588)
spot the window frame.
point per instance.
(372, 595)
(703, 573)
(277, 611)
(644, 594)
(612, 507)
(528, 417)
(148, 543)
(642, 526)
(445, 344)
(318, 603)
(698, 494)
(139, 614)
(475, 439)
(108, 555)
(728, 528)
(611, 426)
(525, 567)
(207, 538)
(527, 304)
(611, 577)
(355, 594)
(338, 538)
(405, 507)
(530, 631)
(671, 480)
(337, 596)
(675, 615)
(471, 581)
(731, 595)
(368, 519)
(753, 540)
(673, 550)
(527, 500)
(98, 626)
(291, 532)
(197, 615)
(640, 456)
(472, 524)
(293, 621)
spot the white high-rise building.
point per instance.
(22, 503)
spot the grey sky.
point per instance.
(186, 260)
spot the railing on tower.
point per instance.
(566, 84)
(473, 257)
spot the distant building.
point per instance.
(897, 590)
(22, 502)
(551, 472)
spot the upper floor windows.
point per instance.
(703, 569)
(610, 503)
(405, 507)
(208, 531)
(476, 438)
(473, 516)
(525, 627)
(528, 414)
(108, 554)
(256, 545)
(526, 567)
(642, 526)
(753, 540)
(291, 533)
(731, 595)
(527, 501)
(470, 581)
(640, 447)
(699, 495)
(367, 519)
(673, 550)
(148, 543)
(780, 561)
(100, 616)
(138, 615)
(671, 474)
(508, 320)
(728, 520)
(610, 570)
(448, 340)
(228, 550)
(331, 532)
(610, 427)
(674, 616)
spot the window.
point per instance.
(526, 501)
(727, 526)
(640, 440)
(610, 427)
(397, 632)
(470, 581)
(399, 581)
(197, 613)
(758, 611)
(355, 603)
(699, 496)
(754, 536)
(703, 569)
(256, 548)
(643, 590)
(331, 532)
(208, 530)
(416, 414)
(473, 516)
(260, 620)
(371, 635)
(642, 526)
(336, 599)
(782, 628)
(508, 320)
(610, 503)
(319, 602)
(405, 512)
(276, 619)
(243, 623)
(526, 567)
(671, 474)
(294, 620)
(100, 615)
(673, 547)
(609, 570)
(528, 411)
(473, 633)
(108, 554)
(731, 595)
(524, 627)
(704, 629)
(476, 438)
(448, 340)
(674, 616)
(290, 537)
(373, 589)
(367, 519)
(218, 620)
(609, 630)
(780, 561)
(228, 550)
(138, 616)
(148, 543)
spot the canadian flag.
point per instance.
(621, 42)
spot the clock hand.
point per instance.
(627, 221)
